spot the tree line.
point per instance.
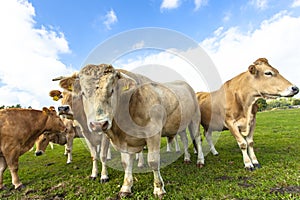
(282, 103)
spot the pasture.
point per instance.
(277, 146)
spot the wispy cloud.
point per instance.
(110, 19)
(277, 39)
(259, 4)
(296, 3)
(200, 3)
(169, 4)
(30, 56)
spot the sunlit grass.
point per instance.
(277, 145)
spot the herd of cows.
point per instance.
(107, 106)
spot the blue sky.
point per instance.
(47, 38)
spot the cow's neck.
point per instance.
(39, 121)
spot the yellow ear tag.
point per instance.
(125, 88)
(70, 88)
(56, 98)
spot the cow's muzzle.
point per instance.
(295, 89)
(100, 126)
(39, 153)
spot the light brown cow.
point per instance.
(97, 143)
(65, 138)
(234, 107)
(134, 112)
(19, 128)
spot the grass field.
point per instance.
(277, 145)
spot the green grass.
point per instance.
(277, 145)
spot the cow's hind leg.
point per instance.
(127, 162)
(208, 136)
(184, 139)
(13, 165)
(3, 167)
(194, 128)
(153, 145)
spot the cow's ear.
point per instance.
(46, 111)
(55, 94)
(252, 69)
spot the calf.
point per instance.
(234, 106)
(19, 129)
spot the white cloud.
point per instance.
(29, 56)
(277, 39)
(169, 4)
(199, 3)
(110, 19)
(259, 4)
(296, 3)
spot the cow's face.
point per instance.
(98, 83)
(54, 123)
(268, 82)
(41, 144)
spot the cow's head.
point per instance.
(43, 140)
(100, 86)
(53, 123)
(268, 82)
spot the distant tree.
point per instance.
(296, 102)
(2, 107)
(262, 104)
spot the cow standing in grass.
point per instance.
(98, 143)
(234, 106)
(134, 113)
(19, 129)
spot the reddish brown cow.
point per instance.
(234, 107)
(19, 129)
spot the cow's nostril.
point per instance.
(105, 126)
(38, 153)
(295, 89)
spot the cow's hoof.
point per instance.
(124, 195)
(3, 188)
(251, 169)
(257, 165)
(187, 162)
(93, 178)
(216, 154)
(104, 180)
(200, 165)
(160, 196)
(20, 187)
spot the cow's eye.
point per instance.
(268, 73)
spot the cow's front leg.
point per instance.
(3, 167)
(242, 144)
(69, 146)
(103, 157)
(94, 155)
(250, 142)
(127, 162)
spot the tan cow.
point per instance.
(134, 112)
(234, 107)
(19, 128)
(97, 143)
(65, 138)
